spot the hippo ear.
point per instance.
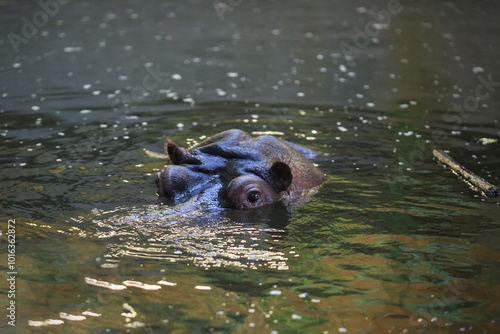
(281, 176)
(176, 153)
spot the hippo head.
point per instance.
(234, 170)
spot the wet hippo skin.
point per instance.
(234, 170)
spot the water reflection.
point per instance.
(227, 238)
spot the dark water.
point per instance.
(393, 243)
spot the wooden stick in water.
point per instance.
(479, 183)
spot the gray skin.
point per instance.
(237, 171)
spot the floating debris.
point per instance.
(477, 183)
(486, 141)
(71, 317)
(141, 285)
(104, 284)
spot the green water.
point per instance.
(392, 243)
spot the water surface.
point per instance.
(392, 243)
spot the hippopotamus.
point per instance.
(234, 170)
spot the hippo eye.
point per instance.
(250, 192)
(253, 197)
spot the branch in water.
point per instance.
(478, 183)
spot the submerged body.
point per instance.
(234, 170)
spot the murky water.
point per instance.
(392, 243)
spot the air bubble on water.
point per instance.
(176, 76)
(85, 111)
(300, 94)
(477, 69)
(35, 108)
(370, 104)
(232, 74)
(73, 49)
(122, 77)
(188, 100)
(360, 96)
(296, 316)
(220, 92)
(342, 68)
(16, 65)
(322, 69)
(128, 47)
(380, 26)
